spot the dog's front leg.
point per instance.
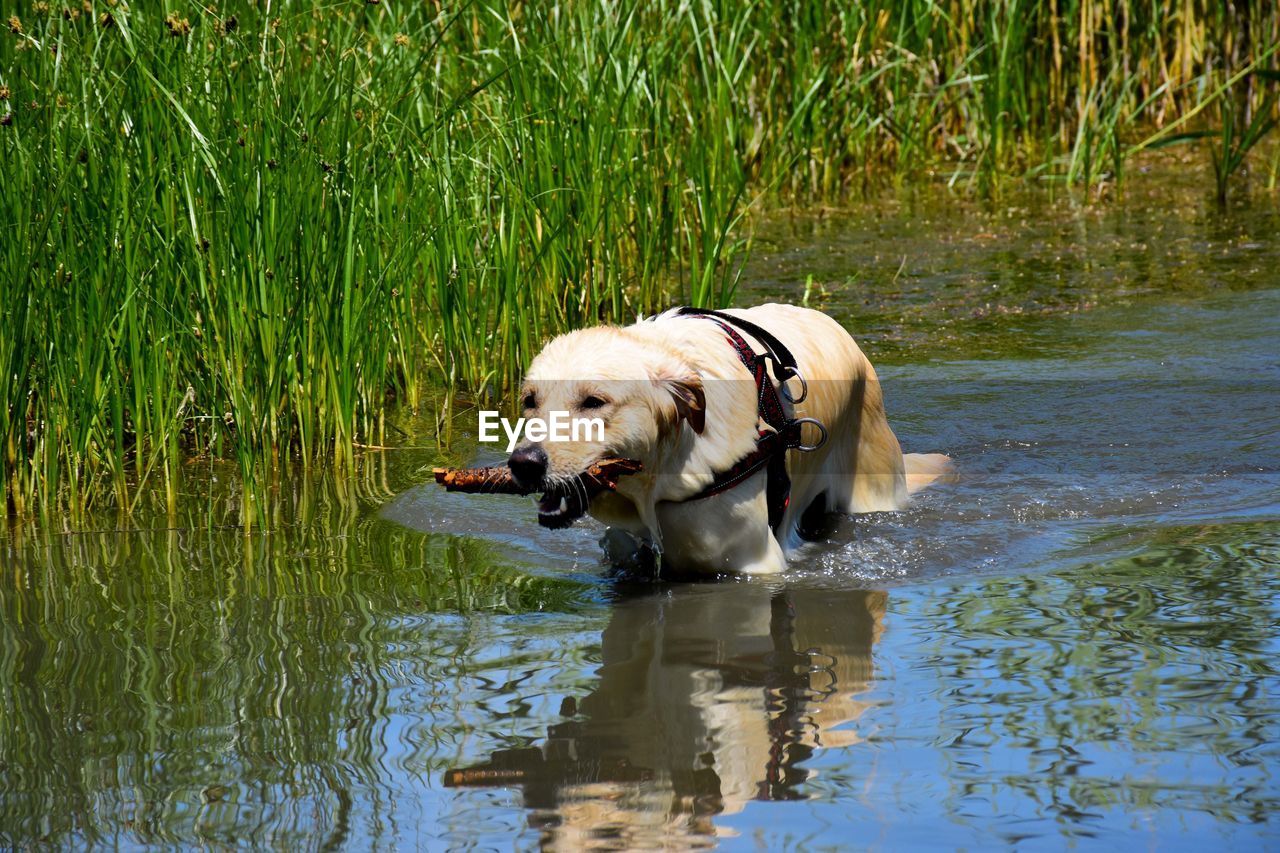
(727, 533)
(765, 557)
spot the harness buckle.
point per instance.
(809, 448)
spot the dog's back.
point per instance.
(861, 468)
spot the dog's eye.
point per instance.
(530, 400)
(593, 402)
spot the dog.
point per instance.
(736, 464)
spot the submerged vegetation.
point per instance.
(240, 233)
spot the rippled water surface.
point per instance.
(1075, 642)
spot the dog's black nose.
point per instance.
(528, 465)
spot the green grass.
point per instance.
(245, 233)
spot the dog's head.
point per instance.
(615, 396)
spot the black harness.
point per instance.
(781, 432)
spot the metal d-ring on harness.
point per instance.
(783, 433)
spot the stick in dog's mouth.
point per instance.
(563, 501)
(567, 500)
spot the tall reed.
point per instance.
(244, 232)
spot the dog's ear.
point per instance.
(691, 402)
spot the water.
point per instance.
(1074, 643)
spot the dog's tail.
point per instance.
(924, 469)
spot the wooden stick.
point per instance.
(497, 480)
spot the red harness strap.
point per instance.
(773, 443)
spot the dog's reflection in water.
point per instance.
(710, 696)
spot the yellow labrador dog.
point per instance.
(677, 393)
